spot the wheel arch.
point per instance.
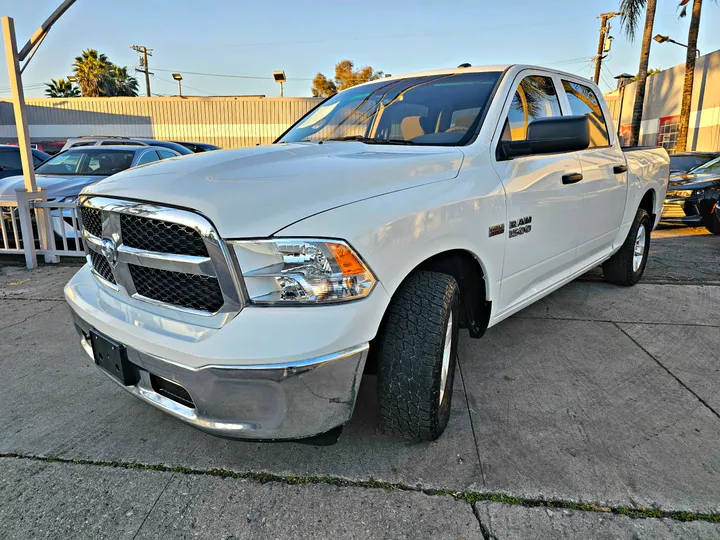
(647, 203)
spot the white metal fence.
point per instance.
(33, 226)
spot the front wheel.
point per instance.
(626, 267)
(417, 354)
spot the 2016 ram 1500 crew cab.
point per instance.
(244, 291)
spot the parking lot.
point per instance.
(592, 414)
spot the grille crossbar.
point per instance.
(160, 255)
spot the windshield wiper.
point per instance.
(369, 140)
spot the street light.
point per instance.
(623, 79)
(178, 78)
(280, 78)
(662, 39)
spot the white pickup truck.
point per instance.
(245, 291)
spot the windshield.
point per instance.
(88, 162)
(430, 110)
(709, 167)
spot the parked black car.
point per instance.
(683, 162)
(198, 147)
(692, 198)
(10, 164)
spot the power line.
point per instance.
(185, 86)
(227, 75)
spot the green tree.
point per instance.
(346, 76)
(97, 76)
(61, 89)
(650, 73)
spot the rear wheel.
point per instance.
(626, 267)
(417, 354)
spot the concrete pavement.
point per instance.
(598, 401)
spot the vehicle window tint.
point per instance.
(10, 160)
(91, 161)
(584, 101)
(78, 144)
(535, 98)
(120, 143)
(36, 160)
(165, 154)
(148, 157)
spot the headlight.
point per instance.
(299, 271)
(680, 193)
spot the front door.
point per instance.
(542, 207)
(604, 187)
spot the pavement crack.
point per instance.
(648, 323)
(678, 379)
(485, 531)
(470, 497)
(472, 425)
(172, 476)
(26, 319)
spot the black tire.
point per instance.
(410, 351)
(619, 268)
(712, 224)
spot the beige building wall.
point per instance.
(663, 97)
(225, 121)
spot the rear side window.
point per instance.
(165, 154)
(148, 157)
(534, 98)
(10, 160)
(584, 101)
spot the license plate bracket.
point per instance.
(111, 356)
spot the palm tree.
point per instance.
(631, 13)
(120, 83)
(61, 89)
(681, 143)
(91, 70)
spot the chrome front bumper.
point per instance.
(263, 402)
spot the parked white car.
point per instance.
(244, 291)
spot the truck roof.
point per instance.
(480, 69)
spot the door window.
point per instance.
(584, 101)
(164, 154)
(148, 157)
(10, 160)
(534, 98)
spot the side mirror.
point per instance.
(549, 136)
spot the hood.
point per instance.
(254, 192)
(692, 181)
(56, 186)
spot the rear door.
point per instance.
(542, 207)
(604, 182)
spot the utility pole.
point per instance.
(604, 31)
(145, 52)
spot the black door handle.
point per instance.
(619, 169)
(571, 178)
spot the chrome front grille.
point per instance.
(170, 258)
(161, 236)
(178, 288)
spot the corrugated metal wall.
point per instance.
(225, 121)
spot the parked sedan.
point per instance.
(75, 142)
(64, 175)
(684, 162)
(692, 197)
(10, 164)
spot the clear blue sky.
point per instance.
(398, 36)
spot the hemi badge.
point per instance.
(495, 230)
